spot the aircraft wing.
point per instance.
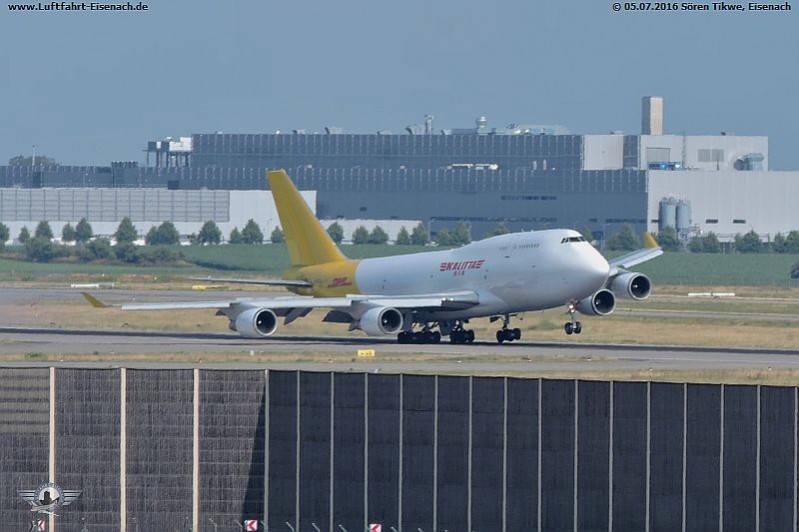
(284, 304)
(623, 263)
(265, 282)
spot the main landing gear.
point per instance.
(461, 336)
(419, 337)
(508, 335)
(573, 326)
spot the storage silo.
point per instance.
(668, 213)
(683, 216)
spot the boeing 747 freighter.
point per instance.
(424, 296)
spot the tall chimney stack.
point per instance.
(652, 115)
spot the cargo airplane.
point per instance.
(421, 297)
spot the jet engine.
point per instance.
(381, 320)
(256, 323)
(600, 304)
(632, 286)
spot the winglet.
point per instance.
(93, 301)
(649, 241)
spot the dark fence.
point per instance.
(169, 449)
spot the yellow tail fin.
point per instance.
(307, 241)
(649, 240)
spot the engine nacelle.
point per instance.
(632, 285)
(600, 304)
(256, 323)
(381, 320)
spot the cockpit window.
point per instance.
(572, 239)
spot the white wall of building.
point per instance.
(105, 208)
(765, 202)
(603, 152)
(686, 150)
(187, 209)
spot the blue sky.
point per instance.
(91, 88)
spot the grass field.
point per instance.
(270, 260)
(704, 269)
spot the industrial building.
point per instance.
(104, 208)
(525, 176)
(203, 450)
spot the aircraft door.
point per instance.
(511, 247)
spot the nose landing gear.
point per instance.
(573, 326)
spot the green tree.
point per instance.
(251, 234)
(378, 236)
(668, 240)
(5, 234)
(151, 238)
(795, 271)
(445, 238)
(39, 249)
(778, 244)
(277, 236)
(83, 231)
(209, 234)
(126, 231)
(360, 235)
(403, 238)
(21, 160)
(235, 236)
(696, 244)
(587, 233)
(792, 243)
(68, 233)
(127, 252)
(711, 244)
(24, 235)
(461, 235)
(43, 230)
(336, 232)
(164, 235)
(500, 229)
(98, 249)
(169, 234)
(624, 239)
(419, 235)
(748, 243)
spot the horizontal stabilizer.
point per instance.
(93, 301)
(264, 282)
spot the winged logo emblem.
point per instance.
(49, 498)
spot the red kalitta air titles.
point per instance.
(460, 266)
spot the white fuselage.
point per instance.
(511, 273)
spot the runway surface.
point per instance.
(342, 352)
(339, 353)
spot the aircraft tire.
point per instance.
(578, 328)
(517, 334)
(500, 336)
(569, 328)
(470, 337)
